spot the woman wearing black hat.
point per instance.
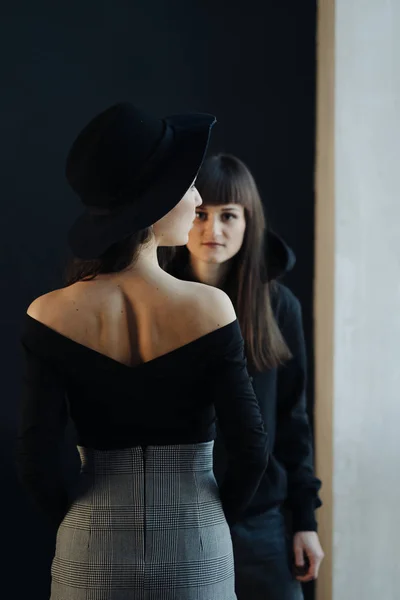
(227, 248)
(142, 365)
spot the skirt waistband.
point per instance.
(185, 457)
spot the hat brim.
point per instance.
(91, 235)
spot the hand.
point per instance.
(307, 543)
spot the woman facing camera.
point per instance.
(231, 249)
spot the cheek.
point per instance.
(236, 237)
(241, 234)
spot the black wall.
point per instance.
(253, 66)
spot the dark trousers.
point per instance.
(264, 559)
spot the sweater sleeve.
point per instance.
(241, 426)
(42, 421)
(293, 446)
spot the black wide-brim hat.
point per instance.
(129, 170)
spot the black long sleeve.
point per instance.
(169, 400)
(293, 445)
(242, 429)
(43, 417)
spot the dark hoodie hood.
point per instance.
(280, 258)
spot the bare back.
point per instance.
(134, 319)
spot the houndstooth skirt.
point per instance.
(145, 524)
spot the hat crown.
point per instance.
(129, 170)
(111, 152)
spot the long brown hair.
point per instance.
(224, 179)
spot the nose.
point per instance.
(214, 225)
(198, 200)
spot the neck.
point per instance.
(210, 273)
(147, 259)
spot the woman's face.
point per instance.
(218, 232)
(173, 229)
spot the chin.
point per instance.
(212, 258)
(182, 240)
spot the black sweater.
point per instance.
(289, 479)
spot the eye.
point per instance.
(200, 215)
(228, 216)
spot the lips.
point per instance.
(212, 244)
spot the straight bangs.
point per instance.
(227, 185)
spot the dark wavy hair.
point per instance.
(224, 179)
(117, 258)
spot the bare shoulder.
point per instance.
(66, 307)
(208, 308)
(215, 301)
(45, 308)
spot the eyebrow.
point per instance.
(229, 208)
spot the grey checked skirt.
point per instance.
(145, 525)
